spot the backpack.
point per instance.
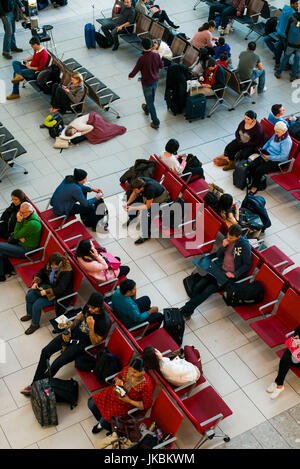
(243, 293)
(65, 390)
(211, 200)
(294, 130)
(55, 125)
(107, 364)
(256, 204)
(270, 26)
(293, 35)
(103, 41)
(49, 74)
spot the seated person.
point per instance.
(250, 67)
(222, 47)
(132, 311)
(235, 255)
(8, 218)
(163, 50)
(182, 163)
(249, 136)
(276, 150)
(226, 11)
(26, 237)
(97, 265)
(154, 12)
(139, 393)
(52, 282)
(276, 115)
(223, 60)
(115, 26)
(228, 211)
(37, 62)
(204, 38)
(177, 371)
(290, 359)
(89, 328)
(213, 79)
(63, 96)
(69, 198)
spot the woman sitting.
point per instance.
(228, 211)
(180, 163)
(203, 37)
(96, 265)
(213, 79)
(9, 216)
(139, 393)
(163, 50)
(63, 96)
(249, 136)
(276, 150)
(177, 371)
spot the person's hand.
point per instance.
(207, 85)
(152, 310)
(43, 293)
(201, 79)
(80, 317)
(34, 286)
(90, 321)
(19, 217)
(22, 240)
(23, 9)
(225, 242)
(119, 28)
(238, 13)
(28, 66)
(67, 90)
(292, 118)
(125, 399)
(96, 190)
(266, 157)
(66, 339)
(229, 275)
(118, 382)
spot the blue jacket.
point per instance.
(274, 119)
(279, 151)
(127, 310)
(242, 257)
(67, 194)
(221, 49)
(284, 17)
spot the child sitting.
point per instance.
(222, 47)
(223, 60)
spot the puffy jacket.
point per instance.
(29, 229)
(284, 17)
(141, 168)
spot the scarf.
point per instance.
(283, 137)
(53, 272)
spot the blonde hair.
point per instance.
(78, 77)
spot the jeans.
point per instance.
(9, 25)
(34, 305)
(144, 304)
(284, 365)
(20, 69)
(280, 48)
(270, 43)
(289, 51)
(261, 75)
(10, 250)
(67, 356)
(96, 413)
(226, 11)
(149, 93)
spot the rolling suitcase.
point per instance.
(174, 324)
(43, 402)
(241, 174)
(195, 107)
(90, 34)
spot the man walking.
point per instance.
(149, 65)
(7, 14)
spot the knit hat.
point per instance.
(281, 126)
(79, 174)
(95, 300)
(297, 331)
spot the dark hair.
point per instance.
(211, 63)
(84, 250)
(235, 230)
(224, 56)
(221, 41)
(146, 43)
(224, 204)
(126, 285)
(207, 25)
(292, 2)
(69, 131)
(172, 146)
(151, 359)
(251, 114)
(138, 183)
(55, 258)
(20, 194)
(34, 40)
(137, 364)
(276, 109)
(252, 45)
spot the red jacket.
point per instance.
(40, 59)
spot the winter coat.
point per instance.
(141, 168)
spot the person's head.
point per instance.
(224, 57)
(84, 248)
(35, 43)
(251, 46)
(172, 146)
(221, 41)
(138, 185)
(127, 3)
(80, 175)
(76, 79)
(70, 131)
(208, 25)
(294, 4)
(151, 358)
(224, 203)
(146, 44)
(96, 303)
(17, 197)
(128, 287)
(26, 209)
(156, 44)
(280, 128)
(211, 25)
(277, 110)
(137, 369)
(250, 117)
(211, 64)
(55, 260)
(297, 332)
(234, 233)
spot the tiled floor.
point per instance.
(236, 362)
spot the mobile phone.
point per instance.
(238, 203)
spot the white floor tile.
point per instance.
(73, 437)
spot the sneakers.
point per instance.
(222, 32)
(144, 106)
(12, 96)
(276, 393)
(31, 329)
(97, 428)
(26, 391)
(17, 78)
(227, 29)
(261, 92)
(271, 388)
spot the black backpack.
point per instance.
(107, 364)
(211, 200)
(243, 293)
(57, 128)
(103, 41)
(65, 390)
(49, 74)
(270, 26)
(174, 324)
(294, 130)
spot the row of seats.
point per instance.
(10, 149)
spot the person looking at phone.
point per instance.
(228, 210)
(65, 95)
(89, 328)
(290, 358)
(108, 403)
(276, 150)
(171, 159)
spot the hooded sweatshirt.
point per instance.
(284, 17)
(67, 194)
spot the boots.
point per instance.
(231, 165)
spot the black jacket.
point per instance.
(242, 257)
(141, 168)
(177, 76)
(7, 6)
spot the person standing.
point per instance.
(149, 65)
(7, 14)
(287, 12)
(293, 47)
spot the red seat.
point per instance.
(199, 186)
(293, 277)
(296, 195)
(201, 240)
(159, 169)
(274, 328)
(289, 180)
(294, 369)
(272, 284)
(37, 253)
(71, 234)
(117, 345)
(173, 186)
(55, 221)
(159, 339)
(274, 257)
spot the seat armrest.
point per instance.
(267, 304)
(65, 298)
(165, 443)
(205, 244)
(245, 279)
(211, 420)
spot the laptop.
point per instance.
(206, 267)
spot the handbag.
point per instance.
(126, 427)
(192, 355)
(111, 260)
(61, 143)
